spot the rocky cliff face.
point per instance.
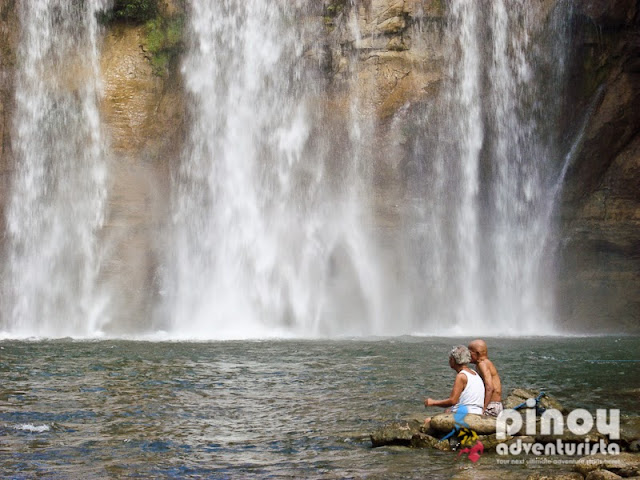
(399, 65)
(600, 268)
(396, 49)
(8, 43)
(143, 113)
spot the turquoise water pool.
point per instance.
(268, 409)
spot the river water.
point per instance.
(268, 409)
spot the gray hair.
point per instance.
(460, 355)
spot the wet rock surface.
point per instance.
(600, 221)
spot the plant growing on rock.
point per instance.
(164, 41)
(332, 10)
(163, 32)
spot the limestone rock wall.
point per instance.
(8, 43)
(388, 56)
(399, 66)
(600, 224)
(143, 114)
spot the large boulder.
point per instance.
(481, 424)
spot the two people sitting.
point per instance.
(479, 391)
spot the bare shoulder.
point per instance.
(485, 366)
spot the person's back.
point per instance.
(490, 377)
(487, 365)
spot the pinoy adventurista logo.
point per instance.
(551, 423)
(465, 436)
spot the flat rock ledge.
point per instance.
(415, 434)
(407, 434)
(625, 465)
(481, 424)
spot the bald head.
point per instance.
(478, 350)
(478, 345)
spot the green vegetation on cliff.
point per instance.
(164, 41)
(163, 32)
(332, 11)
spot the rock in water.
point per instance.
(422, 440)
(518, 396)
(481, 424)
(409, 433)
(396, 433)
(630, 432)
(627, 464)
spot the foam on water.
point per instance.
(27, 427)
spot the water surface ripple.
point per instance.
(124, 409)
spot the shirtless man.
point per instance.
(490, 377)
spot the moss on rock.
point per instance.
(164, 40)
(163, 29)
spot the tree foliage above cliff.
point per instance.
(163, 30)
(137, 11)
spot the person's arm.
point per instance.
(485, 372)
(456, 391)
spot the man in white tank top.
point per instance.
(468, 387)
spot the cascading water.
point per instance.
(487, 208)
(266, 220)
(456, 163)
(272, 230)
(58, 191)
(520, 156)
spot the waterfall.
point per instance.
(275, 224)
(486, 262)
(267, 211)
(57, 201)
(456, 263)
(518, 228)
